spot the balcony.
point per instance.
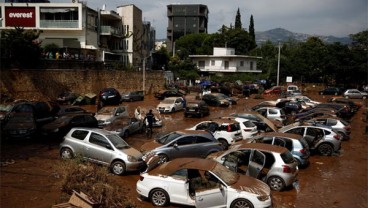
(59, 24)
(108, 30)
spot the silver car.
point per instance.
(273, 113)
(102, 147)
(108, 114)
(125, 126)
(354, 93)
(183, 143)
(274, 165)
(342, 127)
(320, 138)
(295, 143)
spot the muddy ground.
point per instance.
(31, 178)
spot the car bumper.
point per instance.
(134, 166)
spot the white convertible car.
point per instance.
(201, 183)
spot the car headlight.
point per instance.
(132, 159)
(263, 197)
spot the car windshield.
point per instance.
(168, 101)
(287, 157)
(106, 110)
(168, 138)
(117, 141)
(228, 176)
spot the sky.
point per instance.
(338, 18)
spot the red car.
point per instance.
(275, 90)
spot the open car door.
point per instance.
(256, 163)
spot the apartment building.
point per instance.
(81, 32)
(184, 19)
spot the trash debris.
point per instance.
(78, 200)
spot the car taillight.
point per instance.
(302, 151)
(337, 137)
(286, 169)
(228, 128)
(141, 178)
(247, 129)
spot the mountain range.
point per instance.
(282, 35)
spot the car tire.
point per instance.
(66, 153)
(224, 144)
(163, 158)
(159, 197)
(325, 149)
(241, 203)
(276, 183)
(118, 168)
(172, 110)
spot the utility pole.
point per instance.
(278, 67)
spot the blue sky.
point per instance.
(315, 17)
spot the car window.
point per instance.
(266, 139)
(273, 111)
(186, 140)
(181, 174)
(202, 126)
(201, 139)
(287, 157)
(98, 140)
(248, 124)
(79, 134)
(331, 122)
(168, 138)
(297, 130)
(270, 159)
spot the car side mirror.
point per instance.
(176, 145)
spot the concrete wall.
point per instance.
(48, 84)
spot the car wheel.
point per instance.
(325, 149)
(224, 144)
(159, 197)
(276, 183)
(241, 203)
(66, 153)
(163, 158)
(118, 168)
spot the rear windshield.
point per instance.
(248, 124)
(192, 105)
(287, 157)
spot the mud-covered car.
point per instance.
(171, 105)
(201, 183)
(125, 126)
(162, 94)
(108, 114)
(196, 108)
(19, 125)
(274, 165)
(102, 147)
(133, 96)
(182, 143)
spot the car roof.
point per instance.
(185, 131)
(172, 166)
(259, 146)
(225, 120)
(279, 134)
(97, 130)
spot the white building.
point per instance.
(224, 60)
(81, 31)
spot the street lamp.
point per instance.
(278, 67)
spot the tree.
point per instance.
(252, 35)
(21, 47)
(238, 24)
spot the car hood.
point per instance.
(252, 185)
(164, 105)
(103, 117)
(132, 152)
(150, 146)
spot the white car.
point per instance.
(201, 183)
(247, 127)
(306, 99)
(171, 104)
(108, 114)
(227, 131)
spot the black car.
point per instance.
(216, 99)
(109, 96)
(290, 107)
(64, 123)
(197, 108)
(20, 125)
(342, 110)
(133, 96)
(331, 91)
(354, 106)
(162, 94)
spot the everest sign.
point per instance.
(20, 17)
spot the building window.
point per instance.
(241, 63)
(251, 65)
(212, 62)
(201, 64)
(226, 64)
